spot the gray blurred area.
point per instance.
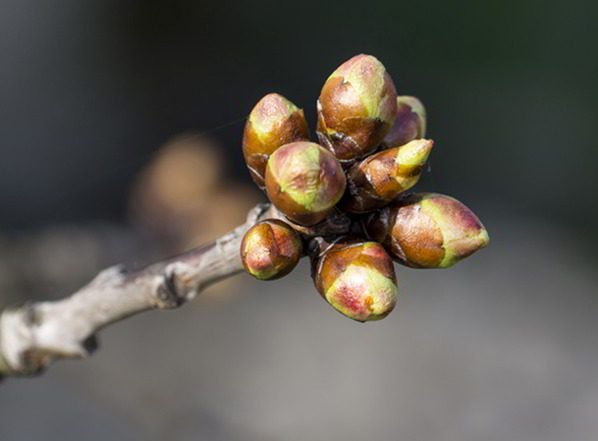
(500, 347)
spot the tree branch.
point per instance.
(35, 334)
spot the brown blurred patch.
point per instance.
(185, 197)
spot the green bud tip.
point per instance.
(270, 111)
(304, 181)
(273, 122)
(380, 178)
(357, 278)
(367, 75)
(357, 107)
(411, 157)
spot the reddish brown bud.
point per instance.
(270, 249)
(427, 230)
(273, 122)
(356, 108)
(380, 178)
(357, 278)
(304, 181)
(410, 122)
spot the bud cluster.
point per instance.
(343, 198)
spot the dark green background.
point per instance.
(89, 89)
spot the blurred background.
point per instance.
(120, 132)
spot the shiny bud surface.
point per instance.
(270, 249)
(357, 108)
(273, 122)
(380, 178)
(304, 181)
(427, 230)
(357, 278)
(410, 122)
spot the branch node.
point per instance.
(90, 345)
(110, 276)
(167, 296)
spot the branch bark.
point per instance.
(35, 334)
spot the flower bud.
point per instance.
(380, 178)
(270, 249)
(357, 107)
(304, 181)
(410, 122)
(357, 278)
(273, 122)
(427, 230)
